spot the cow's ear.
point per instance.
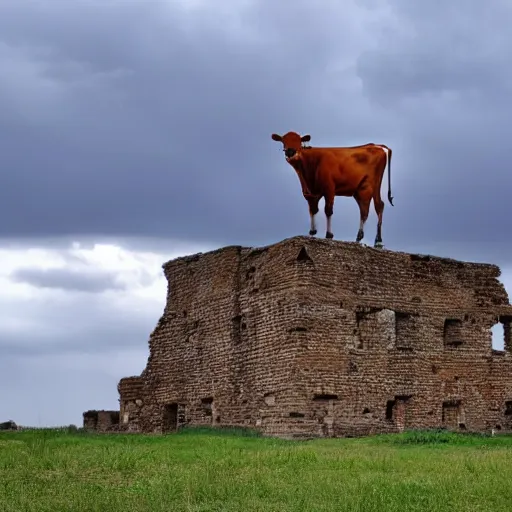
(305, 138)
(277, 138)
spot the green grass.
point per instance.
(235, 470)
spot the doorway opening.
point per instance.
(170, 418)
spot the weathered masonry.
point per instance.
(311, 337)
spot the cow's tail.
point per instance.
(388, 154)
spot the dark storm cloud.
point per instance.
(459, 47)
(68, 279)
(157, 123)
(441, 74)
(121, 120)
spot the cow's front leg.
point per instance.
(313, 210)
(329, 209)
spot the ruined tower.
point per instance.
(311, 337)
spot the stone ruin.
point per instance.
(101, 421)
(318, 338)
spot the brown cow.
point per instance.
(328, 172)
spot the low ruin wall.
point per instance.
(101, 421)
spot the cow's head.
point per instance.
(292, 143)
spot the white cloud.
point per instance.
(64, 350)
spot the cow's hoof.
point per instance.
(378, 245)
(329, 235)
(312, 232)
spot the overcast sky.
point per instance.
(135, 131)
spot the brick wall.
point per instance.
(312, 337)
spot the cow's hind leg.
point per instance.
(363, 197)
(313, 210)
(377, 201)
(379, 208)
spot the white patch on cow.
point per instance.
(329, 227)
(313, 223)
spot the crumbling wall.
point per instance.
(221, 343)
(313, 337)
(130, 391)
(101, 421)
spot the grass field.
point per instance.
(202, 470)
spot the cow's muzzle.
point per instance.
(290, 152)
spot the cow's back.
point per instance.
(345, 167)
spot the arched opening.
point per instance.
(501, 334)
